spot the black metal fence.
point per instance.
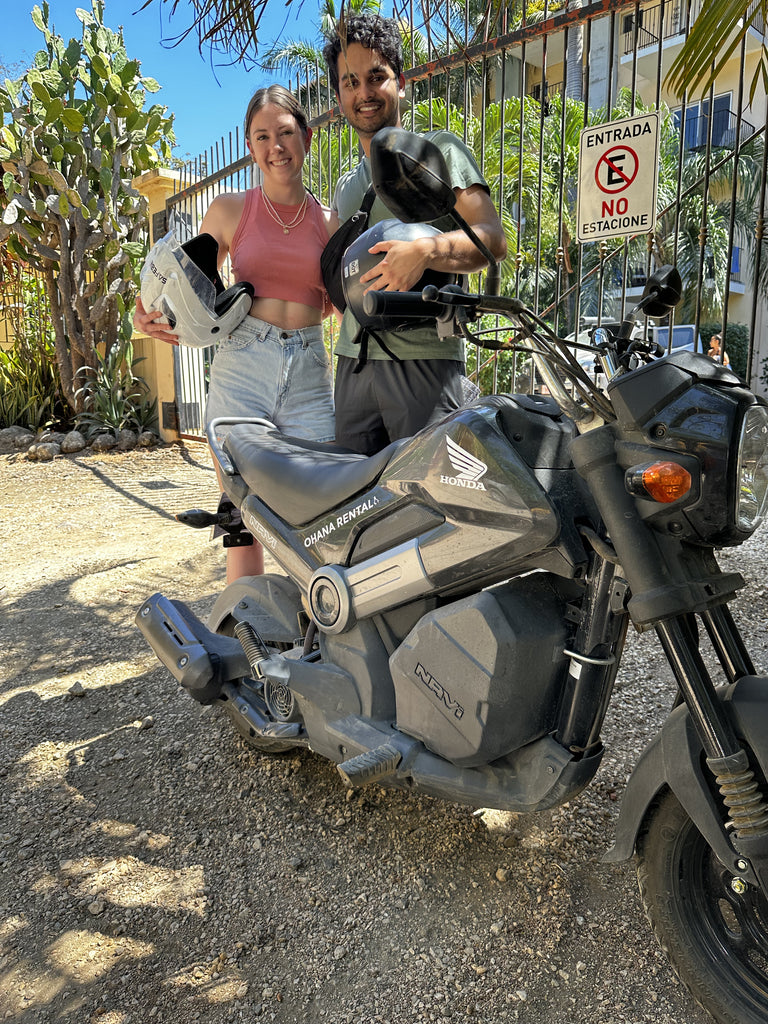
(519, 92)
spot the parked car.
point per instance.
(684, 337)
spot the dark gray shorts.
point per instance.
(389, 400)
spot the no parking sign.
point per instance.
(618, 172)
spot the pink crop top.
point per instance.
(281, 266)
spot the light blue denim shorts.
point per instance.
(283, 376)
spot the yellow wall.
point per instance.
(157, 367)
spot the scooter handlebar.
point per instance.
(400, 304)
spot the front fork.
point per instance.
(726, 758)
(668, 580)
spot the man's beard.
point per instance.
(384, 117)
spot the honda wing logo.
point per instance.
(467, 468)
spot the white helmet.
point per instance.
(183, 283)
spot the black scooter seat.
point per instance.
(301, 480)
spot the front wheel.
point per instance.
(715, 935)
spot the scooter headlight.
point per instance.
(752, 469)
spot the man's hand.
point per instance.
(450, 252)
(403, 265)
(150, 323)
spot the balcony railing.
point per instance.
(647, 26)
(725, 125)
(636, 276)
(543, 92)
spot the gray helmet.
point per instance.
(357, 261)
(183, 283)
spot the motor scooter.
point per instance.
(451, 613)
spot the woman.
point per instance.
(715, 349)
(273, 365)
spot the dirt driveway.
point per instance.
(153, 868)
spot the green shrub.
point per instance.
(30, 390)
(30, 386)
(114, 397)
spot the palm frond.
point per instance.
(715, 36)
(228, 27)
(295, 54)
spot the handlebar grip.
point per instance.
(399, 304)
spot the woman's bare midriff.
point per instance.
(290, 316)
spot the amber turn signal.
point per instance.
(664, 482)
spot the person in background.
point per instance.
(274, 365)
(387, 399)
(715, 350)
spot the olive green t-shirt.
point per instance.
(421, 342)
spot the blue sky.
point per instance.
(208, 101)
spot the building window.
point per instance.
(697, 123)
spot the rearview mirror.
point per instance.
(662, 291)
(410, 176)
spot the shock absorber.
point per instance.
(278, 696)
(726, 759)
(254, 647)
(741, 794)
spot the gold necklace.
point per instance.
(276, 216)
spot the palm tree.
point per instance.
(298, 54)
(232, 26)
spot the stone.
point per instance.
(43, 452)
(126, 440)
(74, 441)
(15, 437)
(52, 436)
(103, 443)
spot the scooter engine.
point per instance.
(481, 677)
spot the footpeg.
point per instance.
(370, 766)
(199, 519)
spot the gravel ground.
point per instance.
(154, 868)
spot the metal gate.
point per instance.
(225, 167)
(519, 91)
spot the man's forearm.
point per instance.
(454, 252)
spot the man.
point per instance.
(388, 399)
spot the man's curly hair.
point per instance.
(371, 31)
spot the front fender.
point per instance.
(675, 759)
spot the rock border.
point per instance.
(45, 445)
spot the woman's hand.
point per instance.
(150, 324)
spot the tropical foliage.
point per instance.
(232, 27)
(113, 396)
(75, 132)
(717, 34)
(30, 388)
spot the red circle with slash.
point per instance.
(617, 177)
